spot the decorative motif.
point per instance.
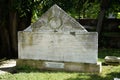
(55, 23)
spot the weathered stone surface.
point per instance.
(64, 66)
(58, 47)
(112, 60)
(57, 37)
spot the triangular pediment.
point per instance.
(56, 19)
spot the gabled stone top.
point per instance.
(56, 20)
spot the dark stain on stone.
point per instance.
(72, 33)
(55, 31)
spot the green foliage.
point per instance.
(118, 15)
(24, 7)
(114, 7)
(107, 52)
(76, 8)
(93, 10)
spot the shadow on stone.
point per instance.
(8, 70)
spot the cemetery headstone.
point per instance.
(58, 42)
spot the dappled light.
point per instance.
(7, 66)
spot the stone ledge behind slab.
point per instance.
(60, 66)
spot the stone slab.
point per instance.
(81, 47)
(54, 65)
(61, 66)
(112, 60)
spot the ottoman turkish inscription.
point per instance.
(58, 41)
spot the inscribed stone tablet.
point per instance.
(54, 65)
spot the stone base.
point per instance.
(64, 66)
